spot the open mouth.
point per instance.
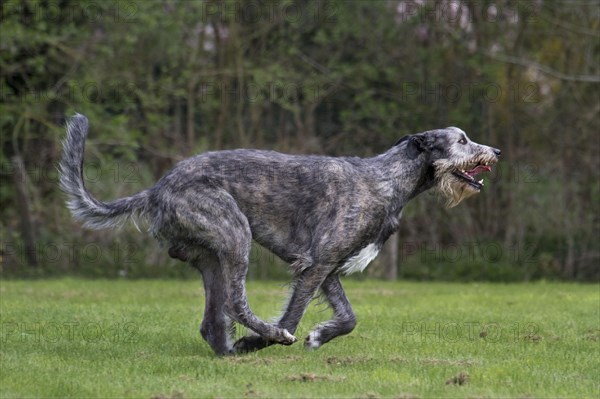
(468, 175)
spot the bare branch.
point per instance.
(544, 69)
(313, 63)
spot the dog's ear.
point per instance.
(416, 145)
(402, 140)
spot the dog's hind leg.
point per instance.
(208, 215)
(344, 319)
(216, 327)
(232, 245)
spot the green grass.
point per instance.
(79, 338)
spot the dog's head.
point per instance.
(454, 159)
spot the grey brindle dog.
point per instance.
(325, 216)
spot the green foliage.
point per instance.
(80, 338)
(163, 80)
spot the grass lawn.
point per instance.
(80, 338)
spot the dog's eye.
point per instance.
(462, 141)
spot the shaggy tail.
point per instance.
(95, 214)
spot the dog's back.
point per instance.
(289, 200)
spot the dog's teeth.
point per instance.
(480, 182)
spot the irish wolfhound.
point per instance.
(324, 216)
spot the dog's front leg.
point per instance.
(304, 287)
(344, 319)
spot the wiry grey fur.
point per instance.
(83, 206)
(323, 215)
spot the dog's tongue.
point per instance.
(479, 169)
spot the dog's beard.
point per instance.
(456, 180)
(452, 191)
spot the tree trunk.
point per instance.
(191, 107)
(27, 227)
(390, 266)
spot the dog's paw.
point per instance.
(225, 352)
(311, 342)
(250, 343)
(288, 338)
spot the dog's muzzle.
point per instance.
(468, 176)
(468, 172)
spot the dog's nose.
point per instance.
(497, 152)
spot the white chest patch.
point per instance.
(360, 261)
